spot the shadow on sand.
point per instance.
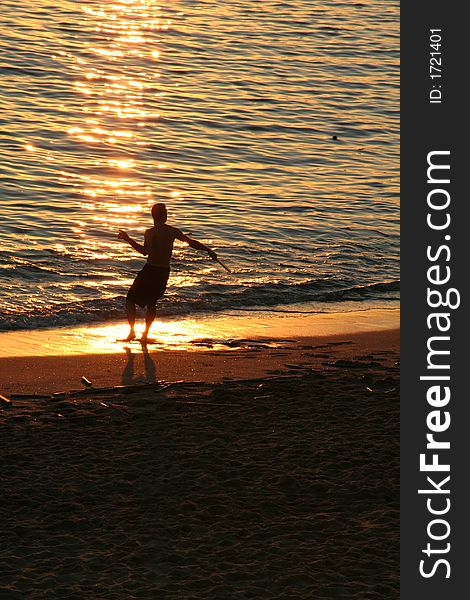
(129, 376)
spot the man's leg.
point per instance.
(149, 318)
(131, 313)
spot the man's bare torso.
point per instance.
(159, 242)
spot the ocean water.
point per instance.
(228, 112)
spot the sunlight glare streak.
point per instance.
(114, 90)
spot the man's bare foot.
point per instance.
(144, 339)
(130, 337)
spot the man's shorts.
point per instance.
(149, 285)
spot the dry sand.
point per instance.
(278, 482)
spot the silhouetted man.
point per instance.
(150, 283)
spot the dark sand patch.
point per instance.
(266, 488)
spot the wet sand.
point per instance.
(250, 472)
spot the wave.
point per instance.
(215, 299)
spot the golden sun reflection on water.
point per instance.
(115, 95)
(175, 335)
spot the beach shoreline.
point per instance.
(47, 361)
(215, 331)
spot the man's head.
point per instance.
(159, 212)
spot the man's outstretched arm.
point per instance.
(122, 235)
(200, 246)
(195, 244)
